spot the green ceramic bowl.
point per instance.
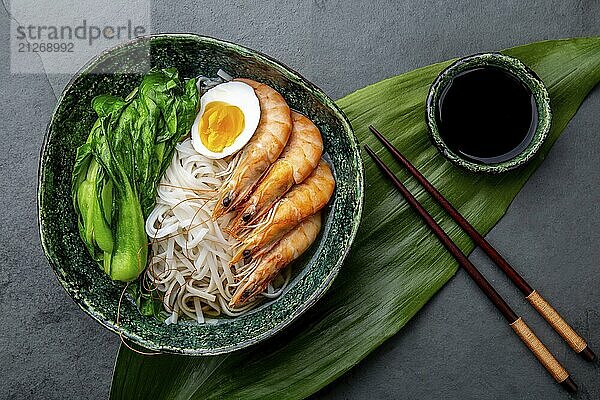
(118, 71)
(517, 69)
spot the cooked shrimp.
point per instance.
(262, 271)
(298, 159)
(261, 151)
(300, 202)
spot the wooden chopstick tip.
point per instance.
(570, 385)
(588, 354)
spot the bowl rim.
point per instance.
(525, 75)
(325, 284)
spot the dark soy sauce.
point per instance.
(486, 115)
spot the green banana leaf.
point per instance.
(396, 265)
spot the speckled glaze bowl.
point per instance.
(118, 71)
(516, 68)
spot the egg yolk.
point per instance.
(220, 124)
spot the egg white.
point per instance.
(236, 94)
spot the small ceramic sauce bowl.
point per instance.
(517, 70)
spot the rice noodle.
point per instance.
(189, 267)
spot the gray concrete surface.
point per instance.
(457, 347)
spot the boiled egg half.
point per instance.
(228, 117)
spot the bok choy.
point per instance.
(118, 169)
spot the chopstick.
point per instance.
(546, 358)
(573, 339)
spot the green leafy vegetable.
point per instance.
(395, 265)
(118, 169)
(147, 304)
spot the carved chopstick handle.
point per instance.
(558, 372)
(561, 326)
